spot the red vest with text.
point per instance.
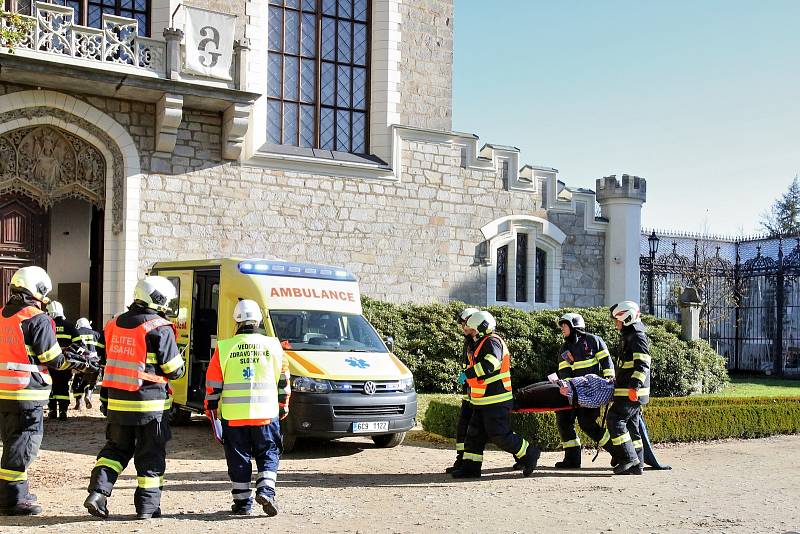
(15, 363)
(126, 355)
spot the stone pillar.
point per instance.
(241, 50)
(173, 37)
(689, 303)
(621, 203)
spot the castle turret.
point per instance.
(621, 203)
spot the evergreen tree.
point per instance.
(783, 217)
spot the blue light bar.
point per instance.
(296, 270)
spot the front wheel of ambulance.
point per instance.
(387, 441)
(289, 442)
(178, 417)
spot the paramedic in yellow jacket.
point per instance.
(247, 385)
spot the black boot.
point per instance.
(572, 459)
(457, 464)
(52, 409)
(469, 469)
(268, 504)
(530, 460)
(149, 515)
(22, 508)
(95, 503)
(242, 507)
(625, 467)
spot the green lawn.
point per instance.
(749, 386)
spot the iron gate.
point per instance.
(749, 292)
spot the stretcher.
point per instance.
(545, 397)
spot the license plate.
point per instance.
(371, 426)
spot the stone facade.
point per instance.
(426, 54)
(415, 232)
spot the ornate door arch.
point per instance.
(39, 166)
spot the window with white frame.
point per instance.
(317, 74)
(525, 258)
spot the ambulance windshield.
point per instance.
(303, 330)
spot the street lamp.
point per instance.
(652, 242)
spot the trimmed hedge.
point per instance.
(683, 419)
(428, 340)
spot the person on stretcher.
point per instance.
(588, 391)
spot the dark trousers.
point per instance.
(587, 418)
(461, 427)
(491, 423)
(623, 426)
(59, 394)
(83, 384)
(146, 444)
(22, 436)
(243, 444)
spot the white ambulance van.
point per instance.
(345, 381)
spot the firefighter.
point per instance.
(631, 391)
(141, 355)
(92, 342)
(247, 384)
(581, 354)
(466, 408)
(65, 332)
(489, 379)
(28, 347)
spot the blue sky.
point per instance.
(701, 98)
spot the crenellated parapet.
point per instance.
(624, 187)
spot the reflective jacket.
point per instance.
(141, 354)
(589, 356)
(248, 379)
(28, 347)
(66, 333)
(633, 365)
(489, 372)
(93, 343)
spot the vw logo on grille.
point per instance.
(369, 387)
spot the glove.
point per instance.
(462, 377)
(283, 413)
(567, 356)
(633, 394)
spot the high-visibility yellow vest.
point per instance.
(251, 367)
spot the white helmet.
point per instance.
(55, 309)
(247, 311)
(464, 314)
(575, 320)
(32, 280)
(626, 311)
(155, 292)
(482, 321)
(83, 322)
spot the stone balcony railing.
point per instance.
(53, 33)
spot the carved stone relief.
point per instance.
(49, 164)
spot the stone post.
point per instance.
(241, 50)
(689, 303)
(173, 38)
(621, 203)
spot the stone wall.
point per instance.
(426, 64)
(583, 257)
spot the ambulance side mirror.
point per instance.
(389, 340)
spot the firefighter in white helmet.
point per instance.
(489, 379)
(28, 349)
(466, 408)
(94, 347)
(66, 335)
(247, 388)
(141, 356)
(631, 391)
(581, 354)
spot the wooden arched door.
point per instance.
(24, 239)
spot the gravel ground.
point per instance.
(350, 486)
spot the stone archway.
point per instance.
(75, 127)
